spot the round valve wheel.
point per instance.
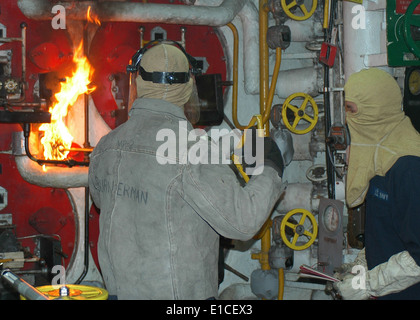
(305, 113)
(299, 229)
(317, 173)
(287, 7)
(411, 20)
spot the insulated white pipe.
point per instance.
(117, 11)
(216, 16)
(299, 80)
(250, 43)
(298, 195)
(53, 177)
(364, 33)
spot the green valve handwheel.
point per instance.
(411, 20)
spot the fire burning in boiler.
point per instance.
(57, 139)
(92, 18)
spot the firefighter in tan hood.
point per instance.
(384, 172)
(160, 223)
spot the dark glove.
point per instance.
(261, 151)
(272, 156)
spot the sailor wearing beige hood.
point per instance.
(384, 172)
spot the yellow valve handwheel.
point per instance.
(306, 14)
(299, 229)
(300, 113)
(76, 292)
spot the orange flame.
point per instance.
(92, 18)
(57, 138)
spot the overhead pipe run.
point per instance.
(117, 11)
(215, 16)
(263, 50)
(266, 92)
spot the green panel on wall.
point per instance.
(400, 51)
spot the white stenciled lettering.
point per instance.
(380, 194)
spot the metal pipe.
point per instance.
(87, 196)
(264, 62)
(41, 104)
(326, 21)
(235, 77)
(87, 242)
(281, 284)
(265, 236)
(21, 286)
(53, 176)
(328, 107)
(267, 112)
(216, 16)
(86, 96)
(308, 78)
(117, 11)
(23, 27)
(87, 150)
(265, 108)
(69, 162)
(265, 247)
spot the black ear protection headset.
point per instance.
(163, 77)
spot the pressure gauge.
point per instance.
(411, 95)
(331, 218)
(414, 82)
(331, 237)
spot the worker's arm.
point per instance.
(234, 211)
(395, 275)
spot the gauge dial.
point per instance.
(331, 218)
(414, 82)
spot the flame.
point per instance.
(57, 139)
(92, 18)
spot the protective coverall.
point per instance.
(160, 223)
(384, 171)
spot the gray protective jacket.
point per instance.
(160, 223)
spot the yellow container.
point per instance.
(75, 292)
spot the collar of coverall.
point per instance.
(156, 105)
